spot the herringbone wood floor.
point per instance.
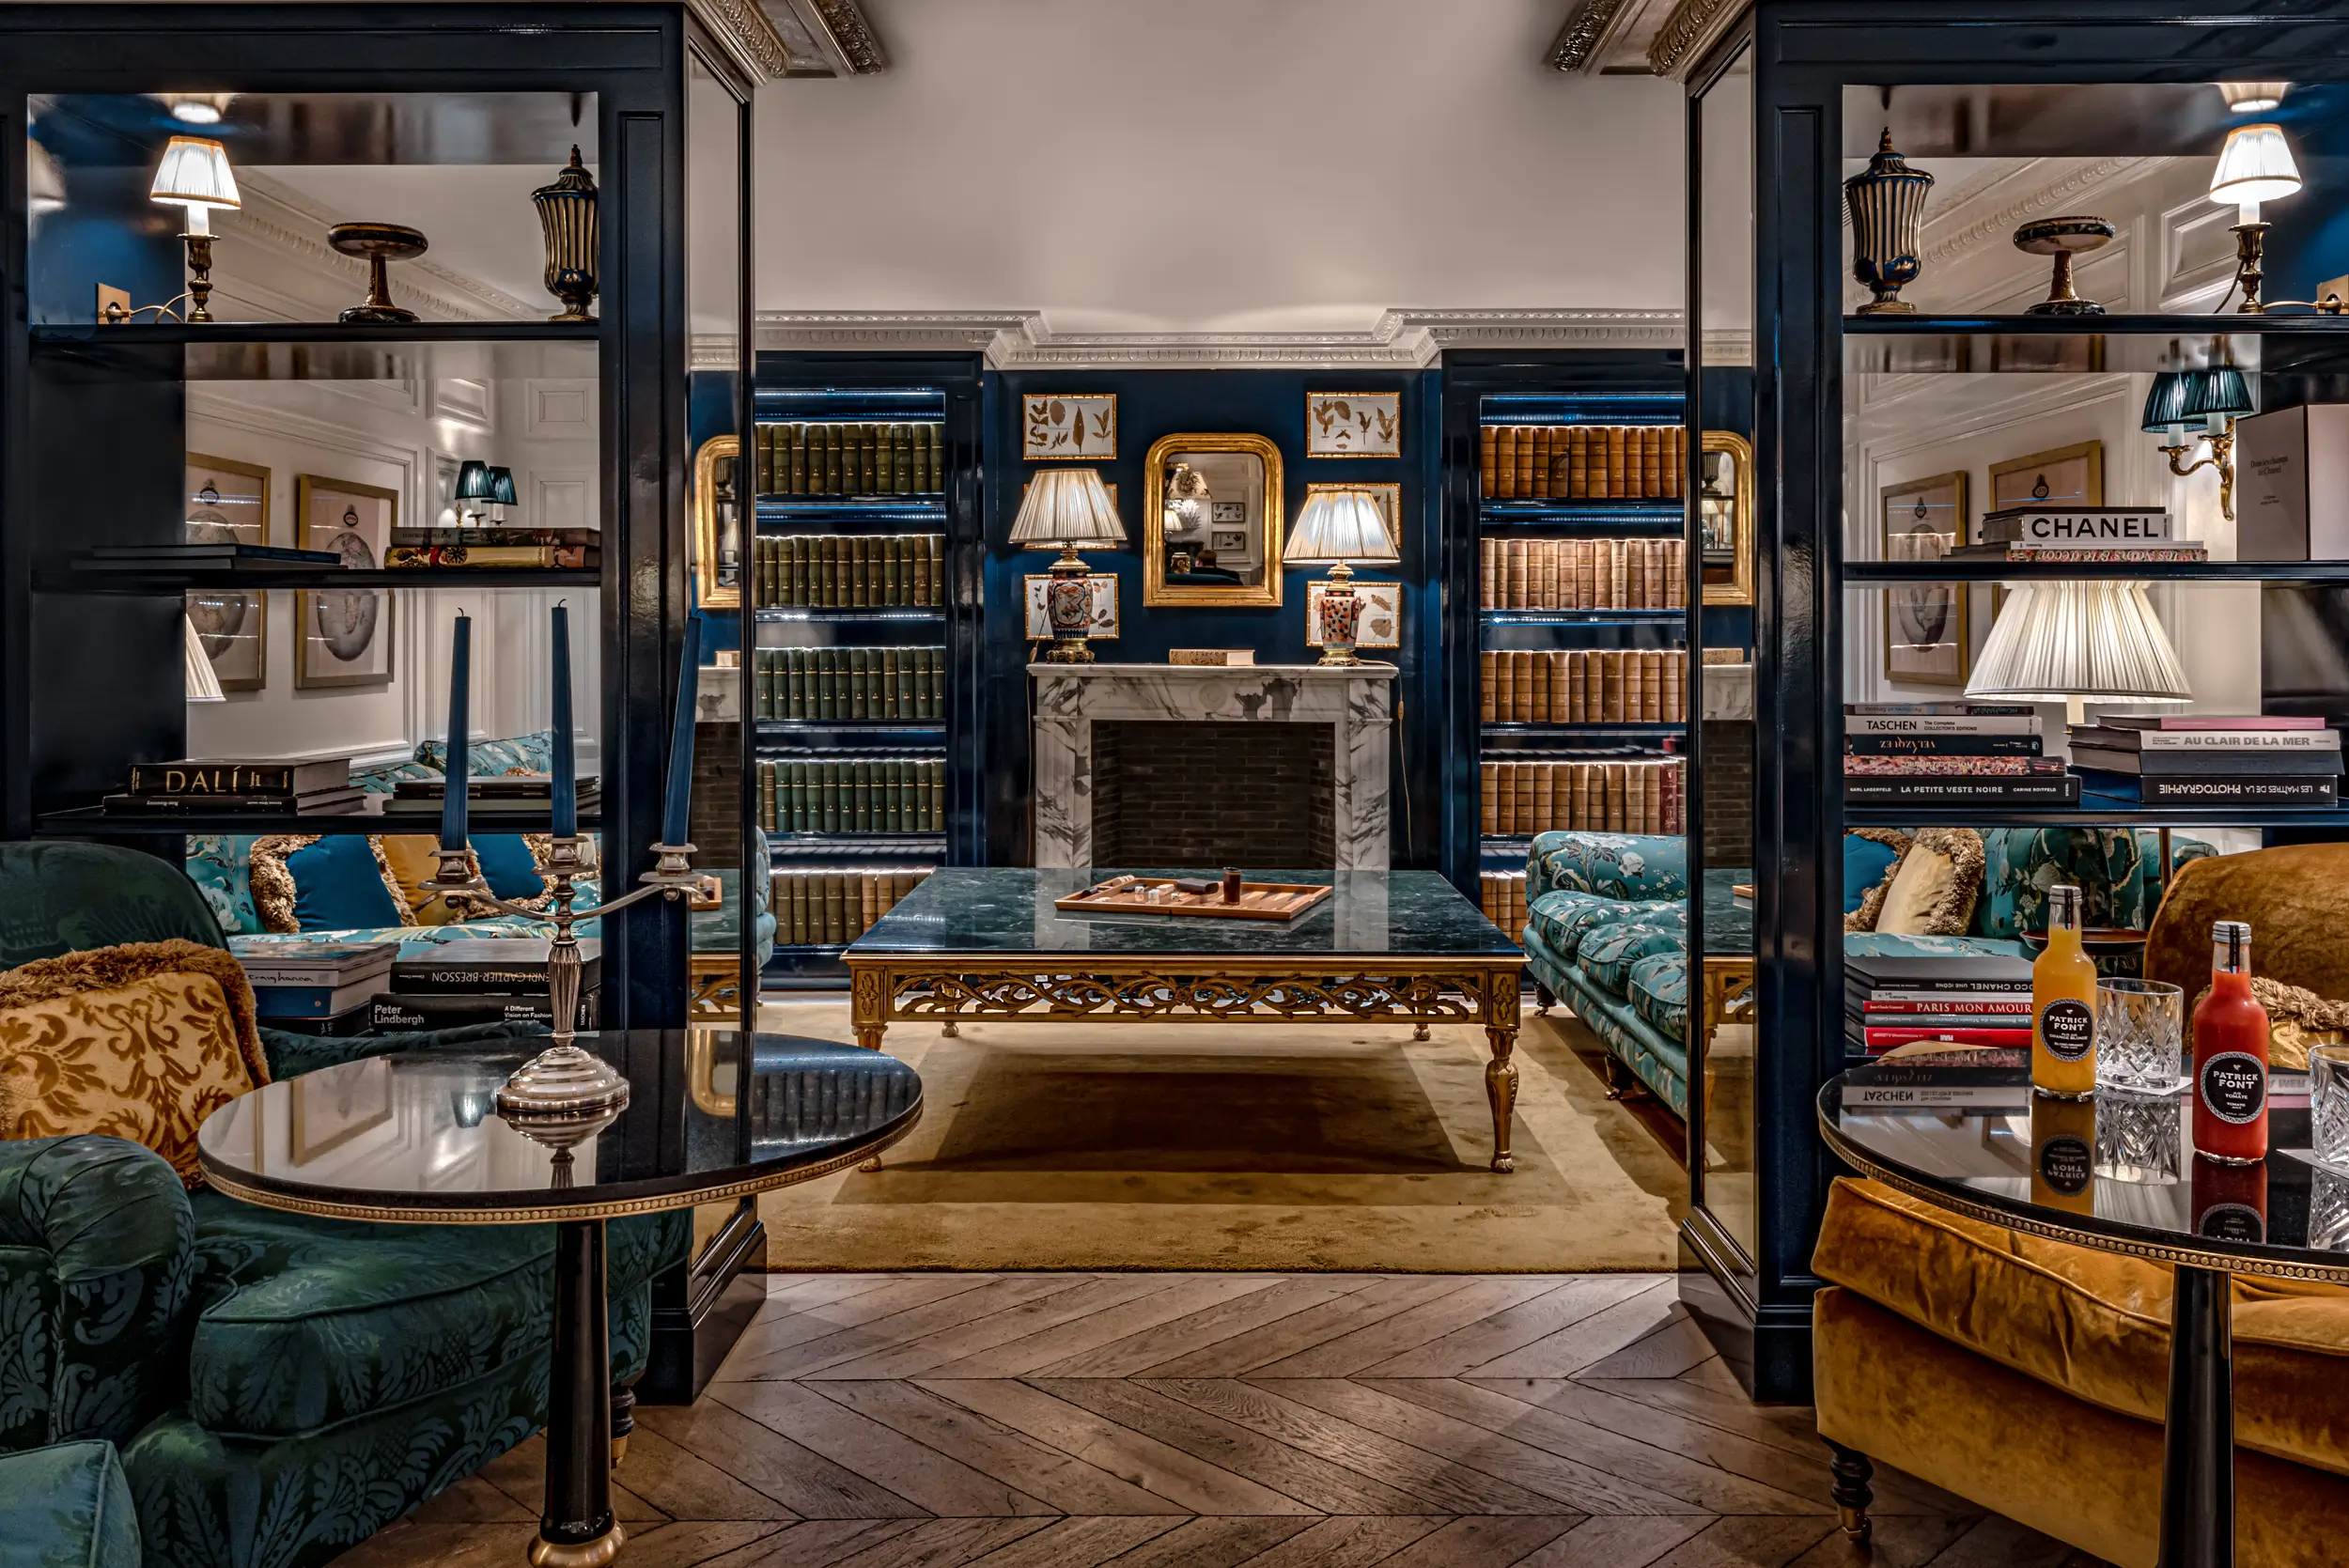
(1209, 1420)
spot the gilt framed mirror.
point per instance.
(718, 524)
(1212, 516)
(1725, 518)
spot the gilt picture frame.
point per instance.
(1927, 639)
(228, 502)
(1069, 427)
(1353, 425)
(343, 637)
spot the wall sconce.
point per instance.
(194, 174)
(2254, 166)
(2217, 397)
(474, 491)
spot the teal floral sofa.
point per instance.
(67, 1506)
(278, 1386)
(1607, 921)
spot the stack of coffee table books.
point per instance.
(317, 987)
(482, 980)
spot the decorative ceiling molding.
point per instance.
(1401, 339)
(1979, 221)
(276, 218)
(1693, 26)
(1582, 41)
(744, 32)
(828, 37)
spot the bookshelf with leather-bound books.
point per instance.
(1581, 595)
(865, 471)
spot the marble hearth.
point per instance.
(1356, 703)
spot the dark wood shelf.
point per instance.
(888, 726)
(1862, 574)
(2089, 815)
(787, 614)
(1602, 519)
(794, 848)
(313, 351)
(1505, 729)
(2281, 324)
(69, 334)
(94, 822)
(1582, 618)
(82, 581)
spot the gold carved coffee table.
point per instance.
(1387, 946)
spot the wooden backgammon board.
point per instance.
(1155, 895)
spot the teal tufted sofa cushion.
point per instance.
(1608, 953)
(67, 1506)
(1660, 992)
(1637, 866)
(1563, 919)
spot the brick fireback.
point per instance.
(1177, 793)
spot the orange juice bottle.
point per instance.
(2063, 1004)
(2064, 1154)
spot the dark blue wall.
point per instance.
(109, 231)
(2308, 236)
(1151, 404)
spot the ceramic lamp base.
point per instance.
(1068, 607)
(1341, 617)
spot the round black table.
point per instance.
(415, 1138)
(2119, 1174)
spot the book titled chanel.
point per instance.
(2075, 526)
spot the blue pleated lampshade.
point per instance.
(473, 480)
(2165, 405)
(502, 485)
(2220, 390)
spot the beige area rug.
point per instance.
(1258, 1147)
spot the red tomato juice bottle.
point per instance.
(2230, 1055)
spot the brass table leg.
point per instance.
(1418, 1031)
(1499, 1005)
(868, 1005)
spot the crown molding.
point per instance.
(828, 37)
(1993, 212)
(276, 219)
(1692, 25)
(746, 34)
(1582, 40)
(1400, 339)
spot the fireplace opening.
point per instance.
(1205, 794)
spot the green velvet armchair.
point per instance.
(278, 1386)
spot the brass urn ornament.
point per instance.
(567, 211)
(377, 244)
(2063, 238)
(1887, 208)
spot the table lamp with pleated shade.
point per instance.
(2076, 643)
(1339, 525)
(1066, 507)
(194, 174)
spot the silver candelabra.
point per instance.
(563, 1086)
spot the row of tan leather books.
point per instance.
(1582, 574)
(1638, 795)
(852, 571)
(1584, 686)
(1502, 895)
(832, 909)
(1582, 462)
(849, 458)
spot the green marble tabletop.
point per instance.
(1009, 910)
(1728, 919)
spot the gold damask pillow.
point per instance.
(141, 1041)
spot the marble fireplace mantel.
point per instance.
(1356, 701)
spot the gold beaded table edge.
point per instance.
(1079, 987)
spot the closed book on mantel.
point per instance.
(488, 966)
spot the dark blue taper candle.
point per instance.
(453, 785)
(566, 781)
(673, 815)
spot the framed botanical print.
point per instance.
(343, 636)
(1381, 624)
(1353, 425)
(1101, 617)
(1080, 427)
(227, 502)
(1925, 623)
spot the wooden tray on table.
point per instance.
(1130, 895)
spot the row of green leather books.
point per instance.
(849, 683)
(861, 795)
(853, 571)
(845, 458)
(832, 909)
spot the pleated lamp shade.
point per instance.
(1339, 524)
(194, 171)
(1066, 506)
(203, 685)
(2073, 642)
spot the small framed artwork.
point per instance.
(1103, 620)
(1231, 539)
(227, 502)
(1925, 623)
(1353, 425)
(343, 636)
(2067, 477)
(1381, 625)
(1234, 512)
(1077, 427)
